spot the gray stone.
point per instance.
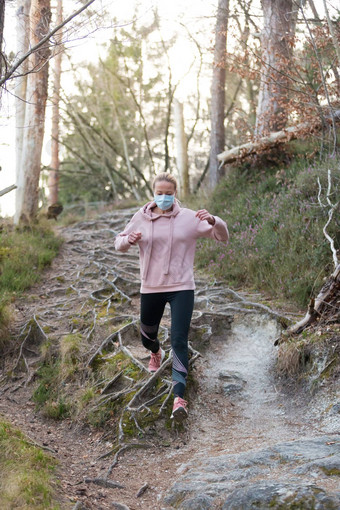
(280, 496)
(231, 388)
(201, 502)
(308, 449)
(335, 409)
(329, 466)
(231, 477)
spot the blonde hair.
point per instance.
(164, 177)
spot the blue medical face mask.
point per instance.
(164, 202)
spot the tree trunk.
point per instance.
(22, 33)
(53, 176)
(36, 95)
(182, 148)
(218, 92)
(276, 50)
(2, 23)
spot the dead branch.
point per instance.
(47, 37)
(142, 490)
(315, 309)
(331, 210)
(102, 482)
(8, 189)
(267, 142)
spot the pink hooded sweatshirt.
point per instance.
(167, 247)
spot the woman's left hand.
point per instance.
(204, 215)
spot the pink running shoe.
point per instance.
(179, 411)
(156, 360)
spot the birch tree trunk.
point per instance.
(276, 50)
(218, 92)
(53, 176)
(36, 95)
(22, 35)
(182, 148)
(2, 23)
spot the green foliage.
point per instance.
(27, 473)
(105, 124)
(275, 223)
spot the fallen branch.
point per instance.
(8, 189)
(142, 490)
(316, 308)
(267, 142)
(109, 484)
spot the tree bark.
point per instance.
(36, 95)
(276, 51)
(218, 92)
(22, 36)
(53, 176)
(182, 148)
(2, 23)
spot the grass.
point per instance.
(275, 223)
(24, 254)
(27, 473)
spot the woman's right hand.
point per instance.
(134, 237)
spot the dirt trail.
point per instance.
(235, 408)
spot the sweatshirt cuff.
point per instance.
(123, 243)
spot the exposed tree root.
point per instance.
(87, 337)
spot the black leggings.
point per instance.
(151, 313)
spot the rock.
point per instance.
(335, 409)
(234, 382)
(201, 502)
(231, 388)
(281, 495)
(120, 506)
(240, 481)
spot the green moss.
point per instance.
(331, 471)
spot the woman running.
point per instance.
(166, 235)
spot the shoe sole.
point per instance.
(179, 415)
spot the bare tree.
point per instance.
(2, 22)
(182, 148)
(22, 36)
(32, 65)
(276, 37)
(218, 91)
(36, 95)
(53, 176)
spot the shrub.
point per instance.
(275, 224)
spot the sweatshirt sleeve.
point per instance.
(121, 241)
(218, 231)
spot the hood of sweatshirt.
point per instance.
(152, 217)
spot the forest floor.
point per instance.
(237, 404)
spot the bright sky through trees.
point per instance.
(184, 18)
